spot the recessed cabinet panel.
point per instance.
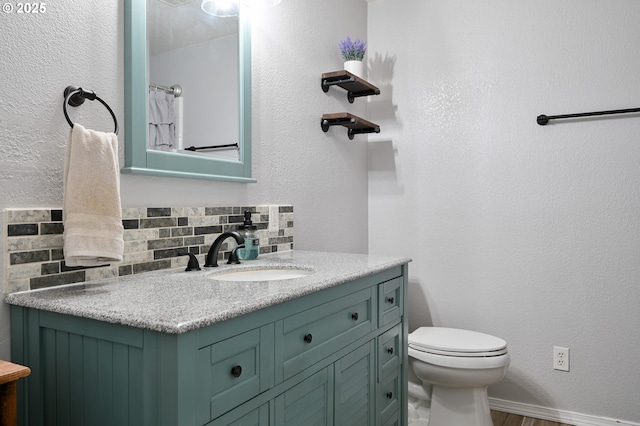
(394, 420)
(390, 350)
(86, 372)
(388, 398)
(355, 387)
(307, 403)
(239, 417)
(390, 301)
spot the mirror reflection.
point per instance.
(224, 119)
(193, 80)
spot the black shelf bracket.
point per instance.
(354, 85)
(326, 83)
(352, 95)
(325, 123)
(354, 125)
(352, 132)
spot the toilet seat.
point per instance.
(455, 342)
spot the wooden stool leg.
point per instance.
(8, 402)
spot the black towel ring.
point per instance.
(75, 96)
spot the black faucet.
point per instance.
(212, 256)
(193, 264)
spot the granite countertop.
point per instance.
(174, 301)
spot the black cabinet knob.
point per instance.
(236, 371)
(391, 300)
(308, 338)
(389, 395)
(390, 351)
(354, 316)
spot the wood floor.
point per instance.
(508, 419)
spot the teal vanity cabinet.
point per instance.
(332, 357)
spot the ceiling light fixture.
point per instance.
(175, 3)
(263, 3)
(221, 8)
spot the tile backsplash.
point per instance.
(154, 238)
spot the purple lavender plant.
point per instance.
(353, 50)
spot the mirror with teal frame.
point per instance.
(143, 161)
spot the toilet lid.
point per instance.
(456, 342)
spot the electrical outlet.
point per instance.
(274, 224)
(560, 358)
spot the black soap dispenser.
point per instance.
(248, 230)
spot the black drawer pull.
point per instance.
(307, 338)
(236, 371)
(390, 351)
(389, 395)
(391, 300)
(354, 316)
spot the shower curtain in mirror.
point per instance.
(161, 120)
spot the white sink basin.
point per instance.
(269, 274)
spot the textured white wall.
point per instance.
(324, 176)
(530, 233)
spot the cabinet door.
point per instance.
(238, 417)
(394, 420)
(354, 387)
(84, 372)
(309, 403)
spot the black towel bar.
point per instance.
(198, 148)
(75, 96)
(544, 119)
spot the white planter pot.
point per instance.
(355, 67)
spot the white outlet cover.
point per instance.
(560, 358)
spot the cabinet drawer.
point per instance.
(390, 350)
(389, 301)
(233, 371)
(305, 338)
(388, 398)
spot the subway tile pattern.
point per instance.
(154, 238)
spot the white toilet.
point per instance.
(454, 368)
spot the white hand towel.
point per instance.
(93, 232)
(161, 120)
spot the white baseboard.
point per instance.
(554, 415)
